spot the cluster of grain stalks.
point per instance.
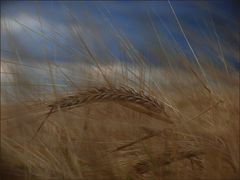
(103, 116)
(101, 131)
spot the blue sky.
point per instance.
(130, 18)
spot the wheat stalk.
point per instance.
(167, 159)
(120, 95)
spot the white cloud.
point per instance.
(32, 22)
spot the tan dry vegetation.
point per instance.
(101, 118)
(103, 138)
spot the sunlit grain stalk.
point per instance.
(105, 94)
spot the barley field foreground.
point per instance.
(98, 115)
